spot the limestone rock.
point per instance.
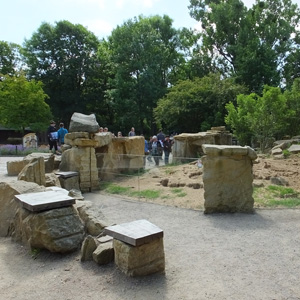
(69, 183)
(103, 139)
(15, 167)
(94, 220)
(51, 180)
(279, 181)
(227, 178)
(83, 123)
(9, 206)
(294, 149)
(57, 230)
(276, 151)
(141, 260)
(104, 254)
(89, 245)
(34, 171)
(48, 159)
(72, 136)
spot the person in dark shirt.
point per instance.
(52, 137)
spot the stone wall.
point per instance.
(228, 178)
(189, 145)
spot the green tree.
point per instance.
(64, 58)
(259, 118)
(196, 105)
(22, 104)
(145, 58)
(10, 58)
(252, 45)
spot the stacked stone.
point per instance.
(81, 157)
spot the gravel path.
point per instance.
(222, 256)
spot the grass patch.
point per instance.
(148, 194)
(276, 196)
(179, 192)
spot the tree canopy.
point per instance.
(22, 104)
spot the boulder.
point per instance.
(15, 167)
(227, 178)
(34, 171)
(83, 123)
(57, 230)
(48, 159)
(89, 245)
(9, 206)
(294, 149)
(51, 180)
(104, 254)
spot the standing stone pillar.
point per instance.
(227, 178)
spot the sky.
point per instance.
(21, 18)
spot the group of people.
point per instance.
(56, 137)
(159, 144)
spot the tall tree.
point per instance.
(144, 53)
(196, 105)
(22, 104)
(10, 58)
(250, 44)
(64, 58)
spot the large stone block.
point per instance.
(57, 230)
(83, 123)
(15, 167)
(8, 204)
(104, 254)
(228, 178)
(49, 159)
(34, 171)
(140, 260)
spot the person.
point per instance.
(167, 148)
(52, 137)
(62, 131)
(156, 149)
(100, 129)
(105, 129)
(160, 135)
(120, 134)
(131, 132)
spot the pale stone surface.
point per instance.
(228, 178)
(83, 161)
(49, 159)
(85, 123)
(34, 171)
(15, 167)
(30, 140)
(94, 220)
(57, 230)
(89, 245)
(103, 139)
(294, 149)
(141, 260)
(8, 204)
(189, 145)
(276, 151)
(121, 155)
(69, 183)
(104, 254)
(51, 180)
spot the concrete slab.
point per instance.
(44, 200)
(67, 174)
(135, 233)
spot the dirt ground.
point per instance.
(222, 256)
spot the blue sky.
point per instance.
(20, 18)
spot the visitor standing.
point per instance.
(52, 137)
(156, 149)
(62, 131)
(131, 132)
(167, 148)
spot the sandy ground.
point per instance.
(222, 256)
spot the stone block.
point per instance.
(34, 171)
(104, 254)
(140, 260)
(69, 183)
(83, 123)
(89, 245)
(15, 167)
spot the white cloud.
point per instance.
(99, 27)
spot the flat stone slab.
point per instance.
(135, 233)
(44, 200)
(67, 174)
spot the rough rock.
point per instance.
(34, 171)
(83, 123)
(57, 230)
(189, 145)
(294, 149)
(227, 178)
(94, 220)
(69, 183)
(276, 151)
(140, 260)
(9, 206)
(104, 254)
(15, 167)
(49, 159)
(51, 180)
(89, 245)
(279, 181)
